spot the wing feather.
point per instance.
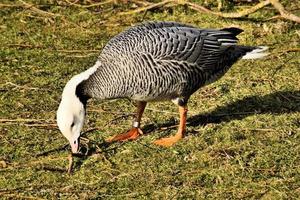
(171, 41)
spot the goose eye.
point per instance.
(72, 125)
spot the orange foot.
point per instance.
(132, 134)
(168, 141)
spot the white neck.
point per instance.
(70, 88)
(71, 109)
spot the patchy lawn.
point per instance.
(243, 131)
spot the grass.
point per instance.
(243, 133)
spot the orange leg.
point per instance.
(135, 131)
(169, 141)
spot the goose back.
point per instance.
(162, 60)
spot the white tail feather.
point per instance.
(260, 52)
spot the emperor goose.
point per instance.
(154, 61)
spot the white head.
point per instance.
(71, 111)
(70, 115)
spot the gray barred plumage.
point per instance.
(162, 61)
(151, 62)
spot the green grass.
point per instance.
(243, 131)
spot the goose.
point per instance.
(153, 61)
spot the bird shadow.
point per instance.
(279, 102)
(274, 103)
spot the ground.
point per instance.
(243, 131)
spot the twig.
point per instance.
(54, 126)
(80, 56)
(228, 15)
(30, 164)
(70, 165)
(257, 129)
(143, 3)
(28, 122)
(274, 17)
(76, 51)
(25, 46)
(3, 164)
(18, 196)
(10, 5)
(232, 114)
(248, 11)
(53, 49)
(36, 10)
(220, 5)
(239, 14)
(168, 127)
(89, 130)
(163, 111)
(286, 51)
(48, 126)
(19, 86)
(154, 5)
(31, 7)
(283, 12)
(42, 125)
(23, 120)
(91, 5)
(199, 8)
(50, 168)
